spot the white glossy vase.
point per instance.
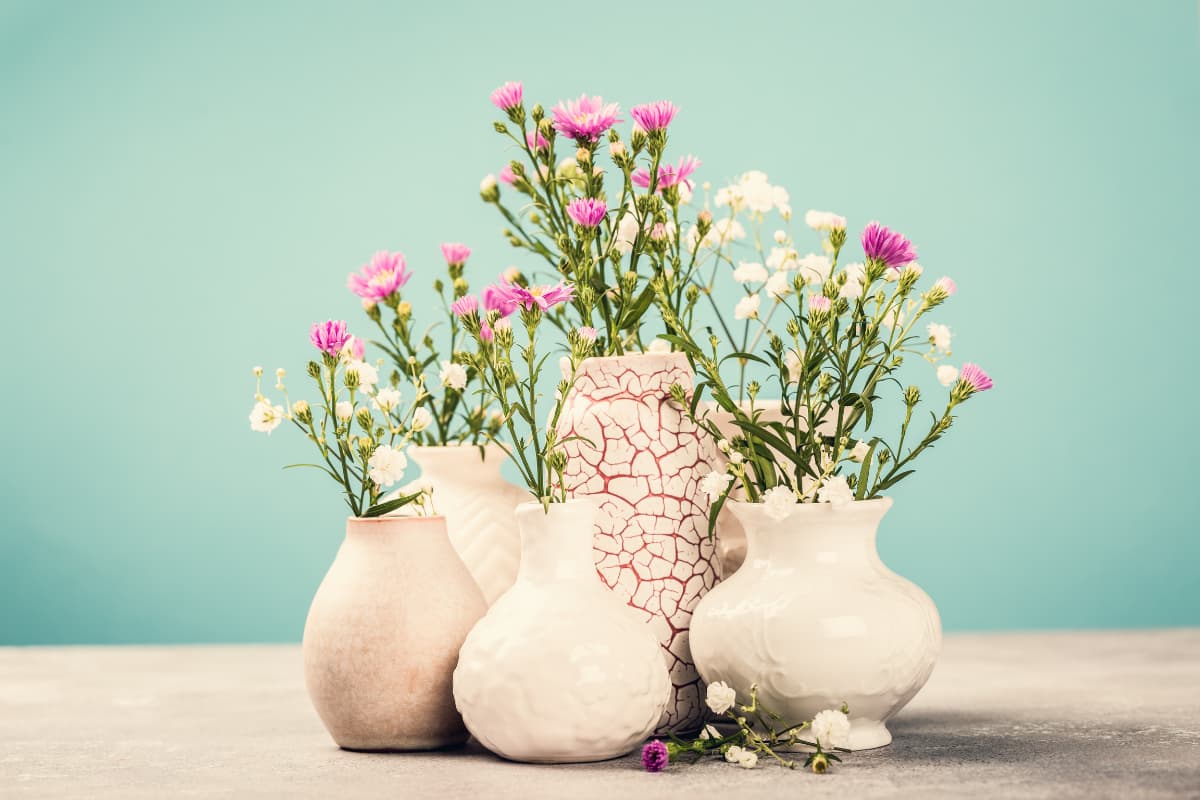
(815, 619)
(478, 504)
(383, 634)
(560, 670)
(641, 460)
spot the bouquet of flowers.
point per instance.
(360, 429)
(510, 379)
(841, 338)
(612, 239)
(449, 418)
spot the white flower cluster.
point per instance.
(754, 193)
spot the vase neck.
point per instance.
(382, 535)
(454, 464)
(635, 375)
(556, 544)
(816, 533)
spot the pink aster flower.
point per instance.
(486, 333)
(383, 276)
(946, 284)
(329, 337)
(508, 96)
(586, 118)
(536, 141)
(467, 304)
(587, 333)
(455, 253)
(818, 303)
(499, 297)
(354, 348)
(587, 211)
(654, 116)
(655, 756)
(506, 174)
(887, 247)
(544, 297)
(668, 174)
(975, 378)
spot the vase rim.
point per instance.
(489, 447)
(527, 506)
(402, 518)
(815, 509)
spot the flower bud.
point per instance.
(793, 327)
(489, 190)
(546, 129)
(372, 309)
(314, 369)
(912, 396)
(404, 310)
(301, 411)
(537, 112)
(819, 763)
(500, 127)
(363, 417)
(460, 287)
(637, 138)
(351, 379)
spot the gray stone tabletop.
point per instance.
(1048, 715)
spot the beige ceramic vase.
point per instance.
(383, 635)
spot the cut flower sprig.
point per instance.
(509, 372)
(838, 343)
(758, 732)
(360, 430)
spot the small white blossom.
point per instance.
(913, 266)
(836, 491)
(344, 410)
(947, 374)
(778, 502)
(785, 211)
(779, 286)
(659, 346)
(747, 307)
(736, 458)
(824, 220)
(856, 279)
(453, 376)
(265, 417)
(421, 419)
(710, 732)
(831, 728)
(781, 237)
(368, 376)
(733, 754)
(784, 258)
(892, 319)
(713, 484)
(750, 272)
(859, 452)
(815, 269)
(939, 336)
(748, 759)
(723, 445)
(386, 465)
(794, 362)
(387, 398)
(720, 697)
(627, 230)
(488, 183)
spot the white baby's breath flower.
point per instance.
(779, 286)
(750, 272)
(859, 451)
(856, 278)
(453, 376)
(778, 502)
(386, 465)
(939, 336)
(488, 183)
(723, 445)
(659, 346)
(785, 211)
(784, 258)
(747, 307)
(736, 457)
(387, 398)
(724, 231)
(794, 362)
(368, 376)
(709, 733)
(344, 410)
(421, 419)
(913, 267)
(733, 754)
(714, 483)
(720, 697)
(748, 759)
(781, 237)
(892, 318)
(835, 491)
(265, 417)
(831, 728)
(824, 220)
(947, 374)
(815, 269)
(627, 230)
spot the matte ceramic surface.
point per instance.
(479, 508)
(815, 619)
(383, 635)
(642, 462)
(560, 670)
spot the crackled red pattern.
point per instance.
(643, 462)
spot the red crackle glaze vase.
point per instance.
(641, 460)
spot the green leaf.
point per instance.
(682, 343)
(864, 474)
(337, 478)
(379, 509)
(713, 512)
(747, 356)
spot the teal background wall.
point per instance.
(184, 187)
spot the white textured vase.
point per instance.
(815, 619)
(478, 504)
(560, 670)
(641, 460)
(383, 634)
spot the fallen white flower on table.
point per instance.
(831, 728)
(720, 697)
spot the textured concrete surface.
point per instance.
(1011, 715)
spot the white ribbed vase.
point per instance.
(560, 670)
(816, 619)
(478, 504)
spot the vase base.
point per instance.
(867, 734)
(564, 759)
(407, 746)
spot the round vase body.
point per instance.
(816, 619)
(560, 670)
(478, 504)
(641, 460)
(383, 634)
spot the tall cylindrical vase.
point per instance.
(815, 619)
(478, 504)
(641, 460)
(383, 635)
(560, 670)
